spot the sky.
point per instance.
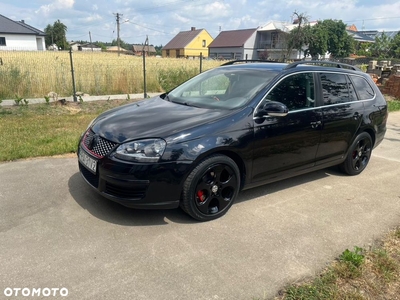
(160, 20)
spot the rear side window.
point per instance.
(335, 88)
(363, 88)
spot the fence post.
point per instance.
(144, 66)
(73, 75)
(201, 62)
(144, 75)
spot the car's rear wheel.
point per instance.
(211, 188)
(359, 155)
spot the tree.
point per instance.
(395, 46)
(298, 36)
(362, 48)
(316, 40)
(382, 46)
(339, 42)
(123, 45)
(325, 36)
(56, 34)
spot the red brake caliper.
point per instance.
(201, 196)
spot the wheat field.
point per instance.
(27, 74)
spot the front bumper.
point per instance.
(138, 185)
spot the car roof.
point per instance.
(271, 66)
(299, 65)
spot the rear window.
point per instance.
(363, 88)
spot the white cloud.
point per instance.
(56, 5)
(163, 19)
(93, 17)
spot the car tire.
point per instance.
(211, 188)
(358, 155)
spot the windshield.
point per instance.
(224, 88)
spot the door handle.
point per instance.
(315, 124)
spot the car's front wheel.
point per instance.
(211, 188)
(359, 155)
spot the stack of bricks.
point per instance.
(392, 86)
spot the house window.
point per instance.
(204, 43)
(167, 53)
(2, 41)
(274, 40)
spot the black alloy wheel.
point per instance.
(211, 188)
(359, 155)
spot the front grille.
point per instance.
(134, 192)
(89, 176)
(96, 145)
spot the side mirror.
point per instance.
(273, 109)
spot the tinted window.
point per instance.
(364, 90)
(295, 91)
(352, 91)
(334, 88)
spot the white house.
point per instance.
(84, 47)
(17, 35)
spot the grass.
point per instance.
(46, 129)
(394, 105)
(355, 275)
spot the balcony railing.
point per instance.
(271, 46)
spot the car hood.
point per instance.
(151, 118)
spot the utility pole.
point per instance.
(90, 38)
(118, 39)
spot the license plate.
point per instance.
(87, 161)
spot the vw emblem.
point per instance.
(92, 141)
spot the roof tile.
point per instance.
(17, 27)
(232, 38)
(182, 39)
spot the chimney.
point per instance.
(193, 28)
(23, 21)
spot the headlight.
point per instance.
(149, 150)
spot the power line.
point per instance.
(147, 27)
(372, 19)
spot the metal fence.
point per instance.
(35, 74)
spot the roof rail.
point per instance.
(322, 62)
(241, 61)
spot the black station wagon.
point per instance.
(231, 128)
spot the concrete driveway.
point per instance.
(55, 233)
